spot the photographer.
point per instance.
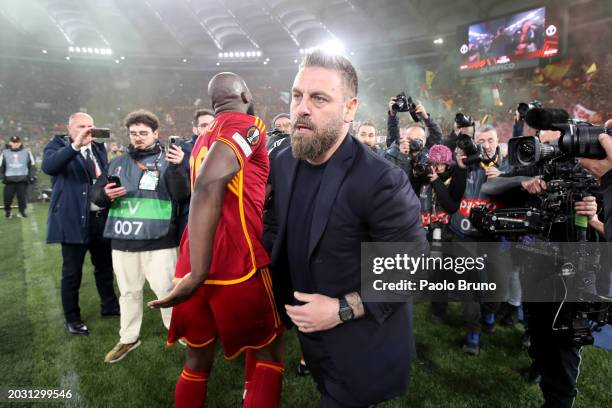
(434, 135)
(602, 170)
(440, 190)
(399, 154)
(556, 358)
(142, 189)
(485, 164)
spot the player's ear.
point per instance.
(246, 98)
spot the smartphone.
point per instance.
(174, 140)
(116, 180)
(100, 133)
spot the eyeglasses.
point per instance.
(144, 133)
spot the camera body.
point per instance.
(523, 107)
(421, 168)
(405, 103)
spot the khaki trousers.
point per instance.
(131, 270)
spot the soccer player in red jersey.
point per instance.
(223, 287)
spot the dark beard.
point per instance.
(313, 147)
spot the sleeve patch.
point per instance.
(252, 135)
(246, 149)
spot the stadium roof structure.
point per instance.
(234, 31)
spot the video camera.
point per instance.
(567, 183)
(405, 103)
(578, 139)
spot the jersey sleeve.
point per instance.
(245, 136)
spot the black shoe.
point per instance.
(110, 314)
(77, 328)
(302, 369)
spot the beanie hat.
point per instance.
(440, 154)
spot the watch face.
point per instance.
(346, 314)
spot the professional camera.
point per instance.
(421, 168)
(578, 138)
(415, 146)
(472, 151)
(523, 107)
(405, 103)
(566, 183)
(462, 120)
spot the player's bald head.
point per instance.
(229, 92)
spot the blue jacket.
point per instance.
(362, 198)
(68, 220)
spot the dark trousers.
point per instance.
(557, 361)
(72, 271)
(10, 189)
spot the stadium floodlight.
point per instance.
(122, 57)
(184, 59)
(241, 54)
(44, 51)
(220, 55)
(67, 58)
(265, 62)
(295, 61)
(77, 49)
(90, 50)
(334, 47)
(116, 61)
(439, 41)
(218, 63)
(96, 50)
(231, 55)
(267, 59)
(103, 51)
(259, 53)
(71, 49)
(109, 51)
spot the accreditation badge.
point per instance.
(149, 180)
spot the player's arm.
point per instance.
(219, 168)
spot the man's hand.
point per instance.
(600, 167)
(392, 100)
(83, 138)
(588, 207)
(433, 176)
(420, 109)
(460, 157)
(113, 192)
(492, 172)
(175, 154)
(180, 293)
(534, 186)
(318, 313)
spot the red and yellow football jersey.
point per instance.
(238, 250)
